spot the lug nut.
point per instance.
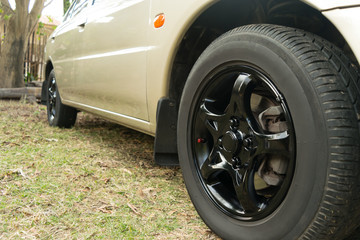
(234, 122)
(247, 143)
(220, 141)
(236, 162)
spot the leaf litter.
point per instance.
(97, 180)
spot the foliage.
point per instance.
(4, 16)
(2, 37)
(29, 77)
(66, 5)
(40, 29)
(50, 19)
(7, 17)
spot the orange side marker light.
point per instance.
(159, 20)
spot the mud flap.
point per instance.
(165, 151)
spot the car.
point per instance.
(258, 101)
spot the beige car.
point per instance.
(258, 100)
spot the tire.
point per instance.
(268, 136)
(59, 115)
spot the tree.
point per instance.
(66, 5)
(19, 23)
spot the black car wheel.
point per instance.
(58, 114)
(268, 136)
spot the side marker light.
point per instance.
(159, 20)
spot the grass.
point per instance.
(97, 180)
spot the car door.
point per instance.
(64, 47)
(112, 67)
(78, 20)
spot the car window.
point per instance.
(69, 11)
(96, 1)
(76, 7)
(80, 5)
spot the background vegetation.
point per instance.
(66, 5)
(18, 24)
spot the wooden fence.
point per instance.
(34, 56)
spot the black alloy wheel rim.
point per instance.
(52, 91)
(230, 146)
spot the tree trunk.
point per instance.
(18, 29)
(12, 61)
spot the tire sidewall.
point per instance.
(305, 193)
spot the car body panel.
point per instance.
(114, 40)
(346, 20)
(331, 4)
(83, 86)
(135, 58)
(62, 58)
(65, 44)
(166, 40)
(173, 31)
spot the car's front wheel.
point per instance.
(268, 136)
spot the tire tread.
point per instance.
(341, 107)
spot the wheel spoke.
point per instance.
(243, 179)
(244, 186)
(213, 164)
(213, 121)
(52, 98)
(240, 96)
(51, 94)
(273, 143)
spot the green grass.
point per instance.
(97, 180)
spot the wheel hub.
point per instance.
(232, 142)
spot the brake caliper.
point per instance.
(274, 167)
(272, 120)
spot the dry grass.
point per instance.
(97, 180)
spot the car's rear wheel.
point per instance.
(268, 136)
(59, 115)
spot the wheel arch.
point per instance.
(225, 15)
(47, 70)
